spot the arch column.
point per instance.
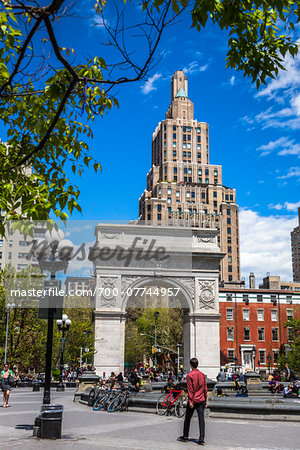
(109, 341)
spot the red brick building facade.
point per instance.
(252, 331)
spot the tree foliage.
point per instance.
(42, 99)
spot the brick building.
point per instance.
(295, 243)
(251, 324)
(183, 188)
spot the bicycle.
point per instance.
(103, 401)
(119, 403)
(166, 406)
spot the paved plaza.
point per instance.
(84, 428)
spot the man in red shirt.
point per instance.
(197, 400)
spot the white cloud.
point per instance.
(149, 85)
(232, 80)
(194, 67)
(265, 244)
(292, 172)
(282, 146)
(287, 205)
(286, 79)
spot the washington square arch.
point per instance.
(145, 263)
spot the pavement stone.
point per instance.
(84, 428)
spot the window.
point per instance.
(231, 197)
(290, 334)
(203, 195)
(275, 356)
(246, 334)
(165, 145)
(184, 137)
(22, 243)
(198, 130)
(1, 242)
(229, 257)
(229, 240)
(158, 216)
(200, 180)
(189, 171)
(199, 155)
(159, 191)
(229, 249)
(229, 268)
(274, 315)
(260, 314)
(193, 194)
(261, 334)
(228, 230)
(274, 299)
(174, 144)
(215, 194)
(230, 353)
(177, 193)
(188, 194)
(206, 172)
(230, 278)
(262, 356)
(158, 207)
(198, 146)
(169, 191)
(200, 172)
(274, 334)
(246, 314)
(259, 297)
(9, 255)
(229, 333)
(10, 243)
(169, 200)
(174, 127)
(174, 152)
(228, 212)
(215, 173)
(185, 170)
(184, 129)
(189, 154)
(289, 314)
(206, 180)
(22, 266)
(22, 255)
(174, 136)
(229, 314)
(175, 169)
(169, 209)
(183, 145)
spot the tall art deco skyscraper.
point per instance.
(183, 188)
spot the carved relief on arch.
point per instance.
(207, 294)
(108, 297)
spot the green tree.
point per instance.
(293, 356)
(41, 103)
(169, 331)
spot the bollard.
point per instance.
(51, 421)
(35, 386)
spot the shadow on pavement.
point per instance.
(24, 427)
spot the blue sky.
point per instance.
(253, 135)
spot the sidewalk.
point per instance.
(84, 428)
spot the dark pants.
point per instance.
(199, 407)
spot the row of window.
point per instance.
(260, 314)
(261, 355)
(184, 128)
(261, 334)
(259, 297)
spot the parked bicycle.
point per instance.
(168, 406)
(120, 402)
(104, 400)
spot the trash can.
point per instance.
(35, 386)
(51, 421)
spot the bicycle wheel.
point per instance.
(115, 404)
(93, 396)
(100, 403)
(180, 406)
(162, 405)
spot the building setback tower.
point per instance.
(182, 187)
(295, 241)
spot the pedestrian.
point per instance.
(197, 400)
(221, 377)
(7, 380)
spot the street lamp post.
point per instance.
(253, 354)
(9, 307)
(63, 325)
(178, 356)
(156, 314)
(269, 358)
